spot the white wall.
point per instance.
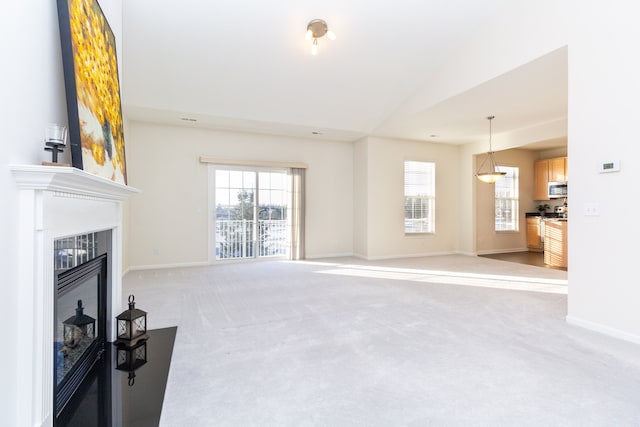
(360, 197)
(520, 32)
(604, 89)
(33, 95)
(382, 191)
(169, 219)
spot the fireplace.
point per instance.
(81, 265)
(58, 203)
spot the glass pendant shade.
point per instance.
(490, 178)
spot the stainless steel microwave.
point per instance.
(557, 190)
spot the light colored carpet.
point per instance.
(433, 341)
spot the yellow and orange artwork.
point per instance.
(97, 91)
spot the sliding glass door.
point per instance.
(252, 213)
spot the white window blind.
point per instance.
(419, 197)
(507, 200)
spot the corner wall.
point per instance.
(603, 113)
(169, 220)
(487, 239)
(383, 213)
(360, 197)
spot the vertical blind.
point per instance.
(419, 197)
(507, 202)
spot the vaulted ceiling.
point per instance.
(245, 65)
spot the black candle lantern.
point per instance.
(129, 359)
(78, 327)
(132, 325)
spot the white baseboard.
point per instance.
(465, 253)
(426, 254)
(164, 266)
(606, 330)
(318, 256)
(384, 257)
(502, 251)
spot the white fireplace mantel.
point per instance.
(69, 180)
(56, 202)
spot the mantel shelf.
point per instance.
(69, 180)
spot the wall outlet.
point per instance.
(591, 209)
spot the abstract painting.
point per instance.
(93, 90)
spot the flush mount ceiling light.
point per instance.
(315, 29)
(492, 174)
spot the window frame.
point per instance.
(425, 194)
(512, 224)
(256, 251)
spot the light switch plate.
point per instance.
(591, 209)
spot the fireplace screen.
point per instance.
(80, 315)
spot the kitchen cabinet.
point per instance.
(558, 169)
(540, 180)
(534, 236)
(545, 171)
(555, 242)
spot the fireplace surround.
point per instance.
(57, 202)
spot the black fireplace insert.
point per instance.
(79, 320)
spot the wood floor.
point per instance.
(530, 258)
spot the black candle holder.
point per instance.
(55, 139)
(55, 148)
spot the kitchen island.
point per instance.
(555, 242)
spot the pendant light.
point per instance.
(492, 174)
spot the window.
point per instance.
(507, 200)
(419, 197)
(252, 213)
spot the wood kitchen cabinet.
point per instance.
(545, 171)
(558, 169)
(540, 180)
(534, 238)
(555, 242)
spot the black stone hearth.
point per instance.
(139, 405)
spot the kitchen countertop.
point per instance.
(550, 215)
